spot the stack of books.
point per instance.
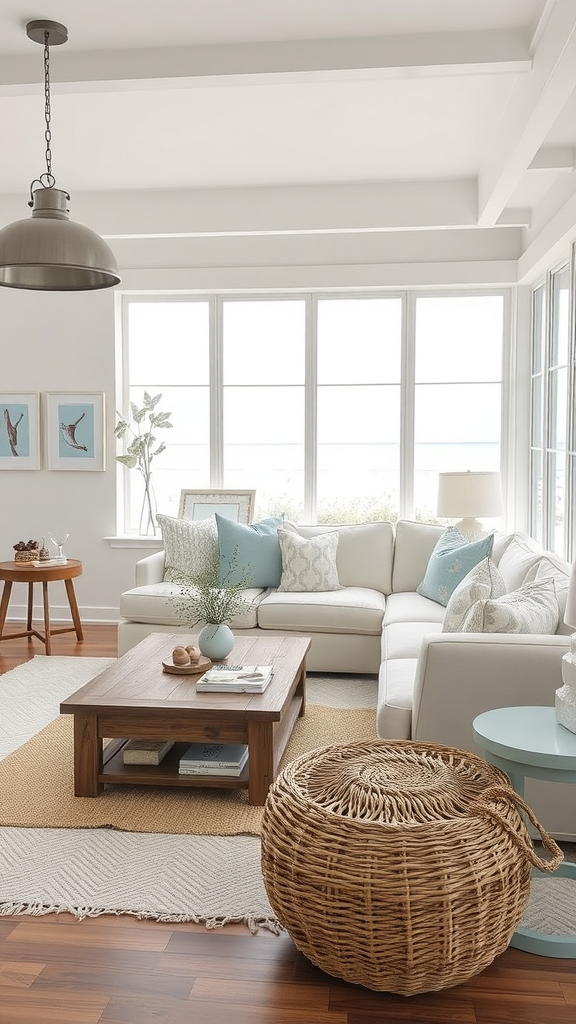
(235, 679)
(146, 751)
(214, 759)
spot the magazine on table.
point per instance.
(214, 759)
(235, 679)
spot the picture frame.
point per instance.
(19, 430)
(75, 430)
(236, 505)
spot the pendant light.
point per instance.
(49, 252)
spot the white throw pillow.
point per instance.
(533, 608)
(308, 563)
(482, 582)
(190, 546)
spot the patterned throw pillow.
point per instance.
(482, 582)
(190, 546)
(309, 563)
(450, 561)
(533, 608)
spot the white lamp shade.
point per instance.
(469, 495)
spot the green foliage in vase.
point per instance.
(141, 448)
(141, 433)
(209, 597)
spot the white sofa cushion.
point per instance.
(519, 555)
(414, 544)
(404, 639)
(156, 604)
(352, 610)
(412, 608)
(364, 555)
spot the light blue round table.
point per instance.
(528, 742)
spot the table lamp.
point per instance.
(565, 697)
(469, 495)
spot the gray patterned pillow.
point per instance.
(190, 546)
(533, 608)
(482, 582)
(309, 563)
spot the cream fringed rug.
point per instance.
(37, 784)
(90, 871)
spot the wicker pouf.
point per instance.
(401, 866)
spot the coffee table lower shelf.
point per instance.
(164, 774)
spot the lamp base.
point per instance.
(565, 696)
(472, 529)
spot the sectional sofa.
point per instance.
(431, 683)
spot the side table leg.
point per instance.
(4, 605)
(46, 617)
(30, 607)
(69, 584)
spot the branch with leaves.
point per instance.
(142, 441)
(209, 596)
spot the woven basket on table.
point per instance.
(401, 866)
(26, 556)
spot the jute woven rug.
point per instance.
(37, 784)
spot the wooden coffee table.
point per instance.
(135, 699)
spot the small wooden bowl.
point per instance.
(186, 670)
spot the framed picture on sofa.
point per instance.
(236, 505)
(19, 430)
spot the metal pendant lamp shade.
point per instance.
(49, 252)
(52, 253)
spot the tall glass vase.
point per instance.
(147, 526)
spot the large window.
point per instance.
(333, 407)
(552, 422)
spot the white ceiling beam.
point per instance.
(414, 56)
(535, 103)
(553, 158)
(515, 217)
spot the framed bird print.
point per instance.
(19, 430)
(75, 430)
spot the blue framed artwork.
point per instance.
(19, 430)
(75, 430)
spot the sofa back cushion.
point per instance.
(364, 554)
(519, 555)
(415, 543)
(554, 567)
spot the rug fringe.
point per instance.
(253, 923)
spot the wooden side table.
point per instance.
(529, 742)
(13, 572)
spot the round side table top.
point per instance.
(24, 572)
(528, 735)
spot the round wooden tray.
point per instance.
(186, 670)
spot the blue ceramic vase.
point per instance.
(216, 640)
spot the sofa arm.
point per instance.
(150, 569)
(461, 675)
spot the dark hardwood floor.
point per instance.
(117, 970)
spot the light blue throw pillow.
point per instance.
(451, 560)
(250, 551)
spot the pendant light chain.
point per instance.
(50, 179)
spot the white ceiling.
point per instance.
(470, 105)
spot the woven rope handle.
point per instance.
(504, 793)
